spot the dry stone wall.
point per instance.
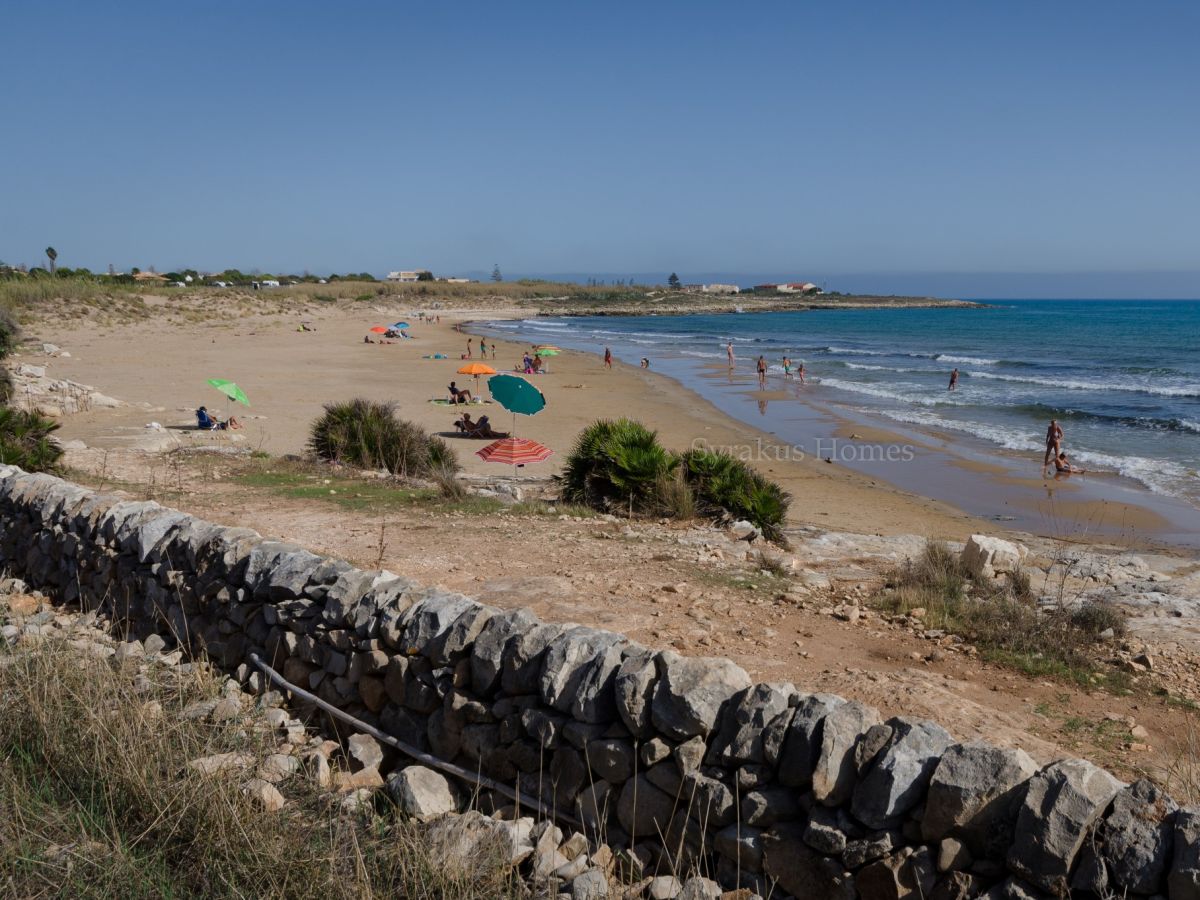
(763, 786)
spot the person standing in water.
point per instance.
(800, 372)
(729, 353)
(607, 358)
(953, 380)
(1054, 436)
(762, 372)
(787, 369)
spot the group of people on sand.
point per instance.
(483, 350)
(1055, 453)
(761, 366)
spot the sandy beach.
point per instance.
(159, 374)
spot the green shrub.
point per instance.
(10, 332)
(25, 440)
(727, 486)
(369, 435)
(616, 464)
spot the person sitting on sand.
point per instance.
(367, 339)
(464, 423)
(1063, 466)
(459, 396)
(1054, 436)
(483, 428)
(205, 422)
(536, 365)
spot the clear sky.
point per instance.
(859, 143)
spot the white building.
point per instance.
(404, 277)
(798, 287)
(720, 289)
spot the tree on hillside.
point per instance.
(673, 281)
(496, 276)
(52, 255)
(424, 275)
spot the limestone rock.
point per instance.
(591, 885)
(1063, 801)
(986, 557)
(691, 691)
(1183, 880)
(422, 793)
(523, 655)
(744, 726)
(834, 774)
(457, 844)
(365, 751)
(802, 739)
(490, 648)
(634, 689)
(1138, 837)
(800, 870)
(264, 794)
(896, 781)
(579, 672)
(974, 795)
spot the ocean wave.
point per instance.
(917, 396)
(1154, 423)
(1071, 384)
(965, 360)
(702, 354)
(1188, 425)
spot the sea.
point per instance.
(1122, 377)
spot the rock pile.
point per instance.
(681, 762)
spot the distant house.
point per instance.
(404, 277)
(720, 289)
(798, 287)
(766, 287)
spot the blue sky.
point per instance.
(866, 145)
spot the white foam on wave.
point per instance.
(1189, 425)
(702, 354)
(965, 360)
(1071, 384)
(918, 393)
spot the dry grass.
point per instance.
(1002, 620)
(96, 801)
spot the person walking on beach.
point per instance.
(800, 372)
(953, 380)
(493, 349)
(607, 358)
(787, 369)
(729, 354)
(762, 371)
(1054, 436)
(468, 356)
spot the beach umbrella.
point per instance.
(231, 391)
(400, 325)
(476, 369)
(546, 352)
(516, 394)
(514, 451)
(379, 329)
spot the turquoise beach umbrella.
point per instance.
(516, 394)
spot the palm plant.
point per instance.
(52, 255)
(25, 440)
(616, 463)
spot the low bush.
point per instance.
(616, 465)
(728, 487)
(26, 441)
(619, 465)
(369, 435)
(1002, 620)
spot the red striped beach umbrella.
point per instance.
(514, 451)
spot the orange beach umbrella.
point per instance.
(476, 369)
(379, 329)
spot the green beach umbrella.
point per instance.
(516, 394)
(230, 390)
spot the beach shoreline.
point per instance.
(166, 384)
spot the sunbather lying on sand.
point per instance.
(205, 422)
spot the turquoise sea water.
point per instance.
(1122, 377)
